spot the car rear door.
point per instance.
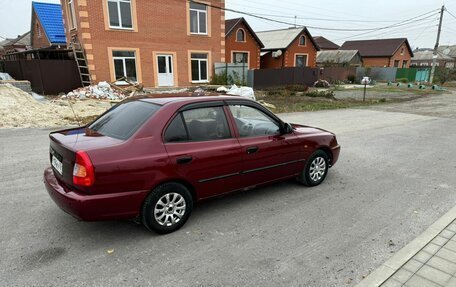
(267, 154)
(203, 149)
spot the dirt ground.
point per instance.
(20, 109)
(443, 105)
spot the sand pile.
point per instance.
(20, 109)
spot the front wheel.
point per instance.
(315, 170)
(167, 208)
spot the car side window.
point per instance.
(203, 124)
(206, 124)
(252, 122)
(176, 131)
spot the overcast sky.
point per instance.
(333, 14)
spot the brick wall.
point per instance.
(39, 39)
(160, 26)
(250, 45)
(376, 61)
(406, 56)
(389, 61)
(288, 57)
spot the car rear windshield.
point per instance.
(124, 119)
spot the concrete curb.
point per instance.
(381, 274)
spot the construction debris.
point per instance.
(244, 92)
(107, 91)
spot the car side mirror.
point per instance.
(287, 129)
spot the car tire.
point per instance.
(316, 169)
(167, 208)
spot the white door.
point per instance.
(165, 71)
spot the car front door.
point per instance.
(267, 153)
(203, 149)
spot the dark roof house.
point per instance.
(382, 52)
(325, 44)
(47, 28)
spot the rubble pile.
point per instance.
(116, 91)
(102, 90)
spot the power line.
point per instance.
(325, 19)
(451, 14)
(409, 21)
(402, 23)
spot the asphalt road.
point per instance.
(395, 177)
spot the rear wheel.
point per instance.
(167, 208)
(315, 170)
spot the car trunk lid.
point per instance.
(65, 144)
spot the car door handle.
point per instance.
(184, 160)
(252, 149)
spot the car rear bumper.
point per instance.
(94, 207)
(335, 154)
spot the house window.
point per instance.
(302, 41)
(71, 14)
(240, 58)
(301, 61)
(38, 31)
(240, 36)
(120, 16)
(199, 67)
(404, 64)
(402, 51)
(396, 63)
(125, 65)
(198, 18)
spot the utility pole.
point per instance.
(436, 48)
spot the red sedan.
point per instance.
(152, 159)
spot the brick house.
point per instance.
(425, 57)
(160, 43)
(47, 26)
(19, 44)
(325, 44)
(382, 52)
(293, 47)
(242, 45)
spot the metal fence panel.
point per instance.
(268, 78)
(233, 73)
(47, 77)
(377, 74)
(333, 74)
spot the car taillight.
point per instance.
(83, 172)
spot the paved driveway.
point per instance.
(395, 177)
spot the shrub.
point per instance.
(321, 94)
(297, 88)
(403, 80)
(351, 78)
(219, 79)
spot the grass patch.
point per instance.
(289, 104)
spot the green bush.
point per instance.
(351, 78)
(297, 88)
(320, 94)
(443, 75)
(403, 80)
(219, 79)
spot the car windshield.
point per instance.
(124, 119)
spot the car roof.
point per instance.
(185, 100)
